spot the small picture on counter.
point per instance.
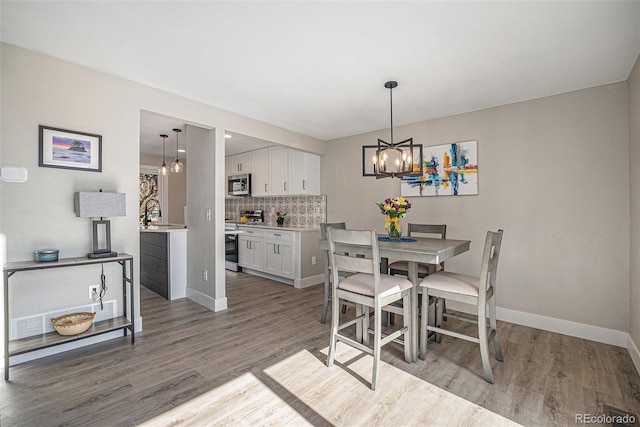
(67, 149)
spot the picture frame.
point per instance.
(68, 149)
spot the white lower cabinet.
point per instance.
(287, 255)
(251, 249)
(278, 256)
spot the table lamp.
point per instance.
(99, 204)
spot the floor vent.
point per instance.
(619, 418)
(37, 324)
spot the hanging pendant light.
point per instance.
(394, 159)
(164, 169)
(177, 166)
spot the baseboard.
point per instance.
(632, 348)
(566, 327)
(207, 301)
(308, 281)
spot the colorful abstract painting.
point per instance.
(448, 170)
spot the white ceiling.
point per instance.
(319, 67)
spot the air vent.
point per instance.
(37, 324)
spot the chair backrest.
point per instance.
(489, 266)
(362, 243)
(439, 230)
(325, 225)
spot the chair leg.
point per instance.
(494, 329)
(377, 338)
(365, 325)
(335, 322)
(424, 316)
(406, 316)
(325, 305)
(484, 345)
(440, 310)
(359, 332)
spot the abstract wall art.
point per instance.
(448, 170)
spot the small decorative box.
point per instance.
(47, 255)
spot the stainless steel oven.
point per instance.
(231, 247)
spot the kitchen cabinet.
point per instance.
(279, 170)
(163, 261)
(239, 164)
(251, 248)
(288, 255)
(260, 172)
(278, 247)
(304, 173)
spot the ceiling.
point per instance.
(319, 67)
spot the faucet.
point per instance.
(145, 220)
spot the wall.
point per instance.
(177, 191)
(553, 174)
(302, 211)
(634, 194)
(37, 89)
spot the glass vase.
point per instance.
(395, 230)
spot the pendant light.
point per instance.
(394, 159)
(177, 166)
(164, 169)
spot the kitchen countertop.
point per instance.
(163, 228)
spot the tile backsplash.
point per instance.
(302, 211)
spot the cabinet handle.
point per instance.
(278, 249)
(304, 184)
(277, 234)
(285, 186)
(274, 249)
(265, 188)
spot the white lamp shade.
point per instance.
(100, 204)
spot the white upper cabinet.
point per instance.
(304, 173)
(260, 172)
(239, 164)
(277, 171)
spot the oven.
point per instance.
(231, 247)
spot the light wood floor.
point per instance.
(261, 362)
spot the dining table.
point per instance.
(414, 250)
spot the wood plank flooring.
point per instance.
(262, 362)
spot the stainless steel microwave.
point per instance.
(239, 185)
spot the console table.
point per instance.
(37, 342)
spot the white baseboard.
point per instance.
(566, 327)
(207, 301)
(308, 281)
(632, 348)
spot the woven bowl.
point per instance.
(73, 324)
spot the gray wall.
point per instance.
(634, 160)
(37, 89)
(553, 173)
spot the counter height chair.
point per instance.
(401, 267)
(367, 288)
(476, 291)
(327, 268)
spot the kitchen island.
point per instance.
(163, 259)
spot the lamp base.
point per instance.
(102, 255)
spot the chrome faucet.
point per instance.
(145, 220)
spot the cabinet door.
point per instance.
(245, 254)
(278, 258)
(239, 164)
(304, 173)
(260, 172)
(257, 247)
(285, 250)
(279, 170)
(271, 258)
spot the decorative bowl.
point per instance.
(73, 324)
(47, 255)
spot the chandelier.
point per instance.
(393, 159)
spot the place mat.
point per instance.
(402, 239)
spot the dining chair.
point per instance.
(327, 269)
(367, 288)
(401, 267)
(477, 291)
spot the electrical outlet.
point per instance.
(93, 289)
(204, 275)
(314, 260)
(207, 214)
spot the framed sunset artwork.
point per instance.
(67, 149)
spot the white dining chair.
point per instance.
(327, 269)
(476, 291)
(367, 288)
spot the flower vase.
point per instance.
(394, 229)
(280, 221)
